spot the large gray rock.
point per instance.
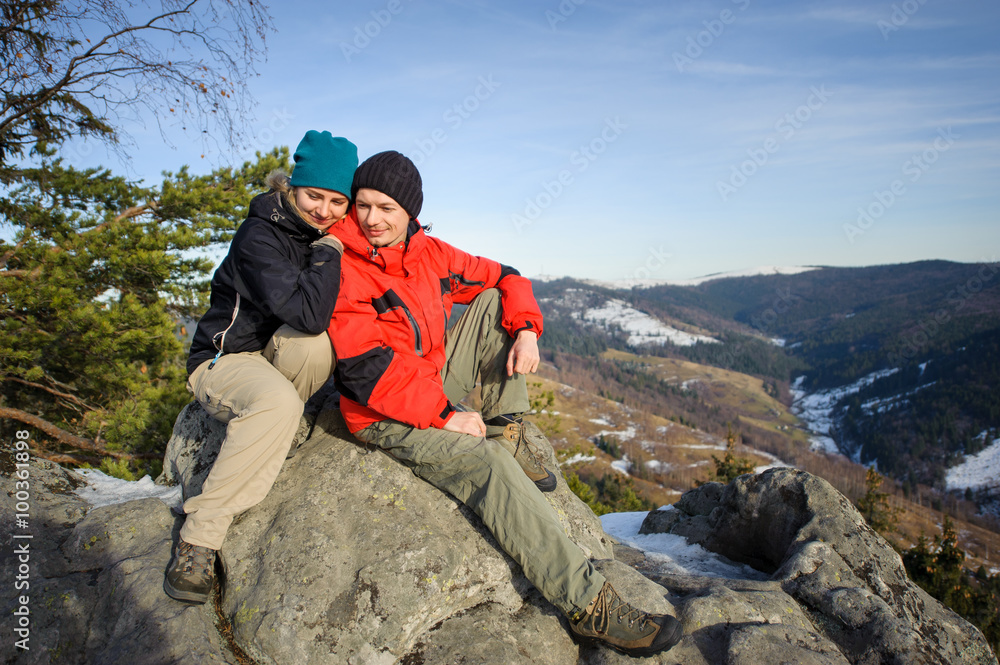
(838, 578)
(352, 559)
(95, 583)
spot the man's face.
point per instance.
(382, 220)
(321, 207)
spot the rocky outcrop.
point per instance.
(95, 593)
(839, 579)
(352, 559)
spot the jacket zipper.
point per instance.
(418, 340)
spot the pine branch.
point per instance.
(66, 396)
(67, 438)
(66, 458)
(32, 274)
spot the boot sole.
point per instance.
(185, 596)
(546, 484)
(638, 652)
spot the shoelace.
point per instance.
(192, 556)
(533, 452)
(609, 604)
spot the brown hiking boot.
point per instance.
(511, 433)
(191, 574)
(611, 620)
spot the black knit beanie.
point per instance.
(394, 175)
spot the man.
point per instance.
(401, 373)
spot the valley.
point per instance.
(647, 381)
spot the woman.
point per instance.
(262, 349)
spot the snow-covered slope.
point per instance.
(641, 327)
(979, 471)
(816, 410)
(612, 314)
(646, 283)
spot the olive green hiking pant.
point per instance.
(481, 473)
(260, 396)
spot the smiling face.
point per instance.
(321, 207)
(382, 220)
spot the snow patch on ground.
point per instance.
(815, 410)
(625, 435)
(640, 327)
(104, 490)
(622, 465)
(979, 471)
(622, 284)
(577, 459)
(699, 446)
(674, 553)
(884, 404)
(602, 421)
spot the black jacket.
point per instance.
(271, 276)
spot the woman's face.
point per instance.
(321, 207)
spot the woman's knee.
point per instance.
(293, 353)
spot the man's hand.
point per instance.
(466, 422)
(523, 357)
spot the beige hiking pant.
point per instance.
(260, 397)
(481, 473)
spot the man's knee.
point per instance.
(490, 299)
(492, 458)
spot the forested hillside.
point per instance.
(930, 329)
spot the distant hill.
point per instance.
(928, 333)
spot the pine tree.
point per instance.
(586, 494)
(99, 277)
(730, 466)
(875, 507)
(618, 493)
(541, 405)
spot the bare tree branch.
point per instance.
(56, 86)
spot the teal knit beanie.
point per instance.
(325, 161)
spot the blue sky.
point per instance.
(626, 139)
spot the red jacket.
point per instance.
(388, 327)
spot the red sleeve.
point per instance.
(471, 275)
